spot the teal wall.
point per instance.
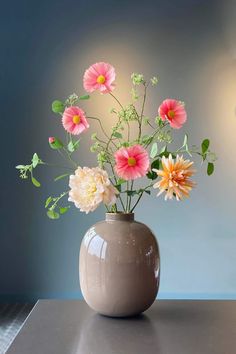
(45, 48)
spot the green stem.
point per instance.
(111, 94)
(103, 130)
(107, 209)
(115, 179)
(140, 196)
(154, 134)
(130, 197)
(119, 103)
(127, 198)
(128, 131)
(69, 157)
(151, 125)
(142, 111)
(57, 200)
(59, 166)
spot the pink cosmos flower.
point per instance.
(74, 120)
(131, 162)
(173, 111)
(99, 76)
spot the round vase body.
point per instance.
(119, 266)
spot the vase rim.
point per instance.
(119, 216)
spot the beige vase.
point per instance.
(119, 266)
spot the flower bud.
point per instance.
(55, 143)
(51, 140)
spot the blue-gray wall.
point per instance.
(45, 48)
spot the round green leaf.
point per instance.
(35, 160)
(84, 97)
(117, 135)
(58, 106)
(48, 201)
(63, 210)
(205, 145)
(35, 182)
(210, 168)
(53, 214)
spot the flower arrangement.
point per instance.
(137, 147)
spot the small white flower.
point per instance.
(90, 187)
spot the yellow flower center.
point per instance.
(92, 189)
(171, 114)
(131, 161)
(76, 119)
(101, 79)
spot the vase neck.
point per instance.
(119, 216)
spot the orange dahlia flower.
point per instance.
(175, 177)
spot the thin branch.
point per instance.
(140, 196)
(130, 198)
(116, 100)
(100, 123)
(59, 166)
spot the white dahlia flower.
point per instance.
(90, 187)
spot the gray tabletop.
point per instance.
(168, 327)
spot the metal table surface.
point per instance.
(168, 327)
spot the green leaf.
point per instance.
(164, 152)
(121, 181)
(20, 167)
(84, 97)
(57, 144)
(210, 168)
(151, 175)
(131, 193)
(147, 191)
(155, 164)
(63, 210)
(35, 160)
(53, 214)
(211, 157)
(125, 144)
(48, 201)
(117, 135)
(60, 177)
(35, 182)
(58, 106)
(205, 145)
(154, 150)
(118, 187)
(163, 149)
(139, 191)
(72, 146)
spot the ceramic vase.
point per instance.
(119, 266)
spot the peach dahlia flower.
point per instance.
(173, 111)
(175, 177)
(99, 76)
(90, 187)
